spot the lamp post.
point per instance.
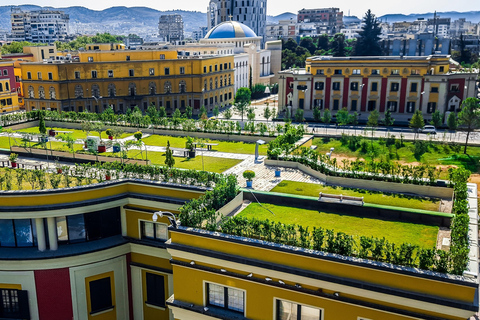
(174, 222)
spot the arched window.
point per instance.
(53, 95)
(31, 92)
(183, 86)
(112, 91)
(205, 88)
(152, 88)
(211, 84)
(167, 87)
(216, 83)
(229, 80)
(78, 91)
(41, 92)
(132, 89)
(221, 81)
(95, 91)
(225, 83)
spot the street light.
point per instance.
(171, 217)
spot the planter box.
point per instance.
(192, 154)
(51, 133)
(277, 173)
(102, 149)
(249, 184)
(116, 148)
(14, 164)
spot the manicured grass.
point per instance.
(211, 164)
(77, 134)
(396, 200)
(424, 236)
(223, 146)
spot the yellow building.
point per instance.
(364, 84)
(8, 87)
(105, 46)
(124, 79)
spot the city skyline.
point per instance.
(354, 7)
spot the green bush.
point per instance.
(249, 175)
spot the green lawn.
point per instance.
(211, 164)
(396, 200)
(223, 146)
(77, 134)
(424, 236)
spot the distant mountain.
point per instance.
(283, 16)
(473, 16)
(116, 20)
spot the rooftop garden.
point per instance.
(374, 197)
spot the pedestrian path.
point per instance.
(265, 179)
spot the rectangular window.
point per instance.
(167, 71)
(151, 71)
(374, 87)
(442, 69)
(29, 75)
(338, 71)
(156, 231)
(5, 72)
(50, 76)
(205, 69)
(182, 70)
(292, 311)
(128, 58)
(431, 106)
(39, 75)
(413, 87)
(90, 59)
(210, 68)
(94, 74)
(336, 86)
(131, 73)
(372, 105)
(354, 86)
(320, 71)
(14, 304)
(110, 73)
(216, 68)
(77, 74)
(356, 71)
(395, 72)
(392, 106)
(224, 297)
(375, 71)
(336, 104)
(394, 86)
(155, 289)
(415, 72)
(354, 105)
(434, 89)
(101, 295)
(7, 235)
(319, 85)
(410, 107)
(454, 88)
(162, 57)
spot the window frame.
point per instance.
(94, 74)
(131, 72)
(142, 224)
(336, 86)
(434, 89)
(394, 86)
(102, 308)
(226, 296)
(154, 302)
(166, 70)
(414, 84)
(110, 73)
(276, 303)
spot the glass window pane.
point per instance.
(216, 295)
(235, 300)
(76, 228)
(148, 230)
(162, 231)
(7, 238)
(62, 231)
(23, 232)
(287, 310)
(309, 313)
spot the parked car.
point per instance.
(429, 129)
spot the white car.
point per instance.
(429, 129)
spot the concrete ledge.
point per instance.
(383, 186)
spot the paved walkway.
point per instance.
(265, 179)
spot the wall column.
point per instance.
(42, 245)
(52, 233)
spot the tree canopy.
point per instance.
(469, 118)
(368, 43)
(82, 41)
(17, 47)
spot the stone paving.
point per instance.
(265, 179)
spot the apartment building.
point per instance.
(328, 20)
(170, 27)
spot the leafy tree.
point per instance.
(388, 120)
(317, 114)
(452, 122)
(227, 114)
(87, 126)
(152, 113)
(373, 119)
(327, 116)
(169, 160)
(290, 44)
(307, 43)
(323, 42)
(41, 124)
(251, 113)
(299, 115)
(82, 41)
(189, 112)
(437, 119)
(258, 91)
(368, 43)
(338, 45)
(162, 113)
(98, 127)
(267, 113)
(342, 117)
(216, 111)
(242, 101)
(17, 47)
(69, 140)
(469, 118)
(203, 112)
(417, 122)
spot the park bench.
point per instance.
(208, 145)
(36, 165)
(180, 152)
(341, 198)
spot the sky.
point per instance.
(275, 7)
